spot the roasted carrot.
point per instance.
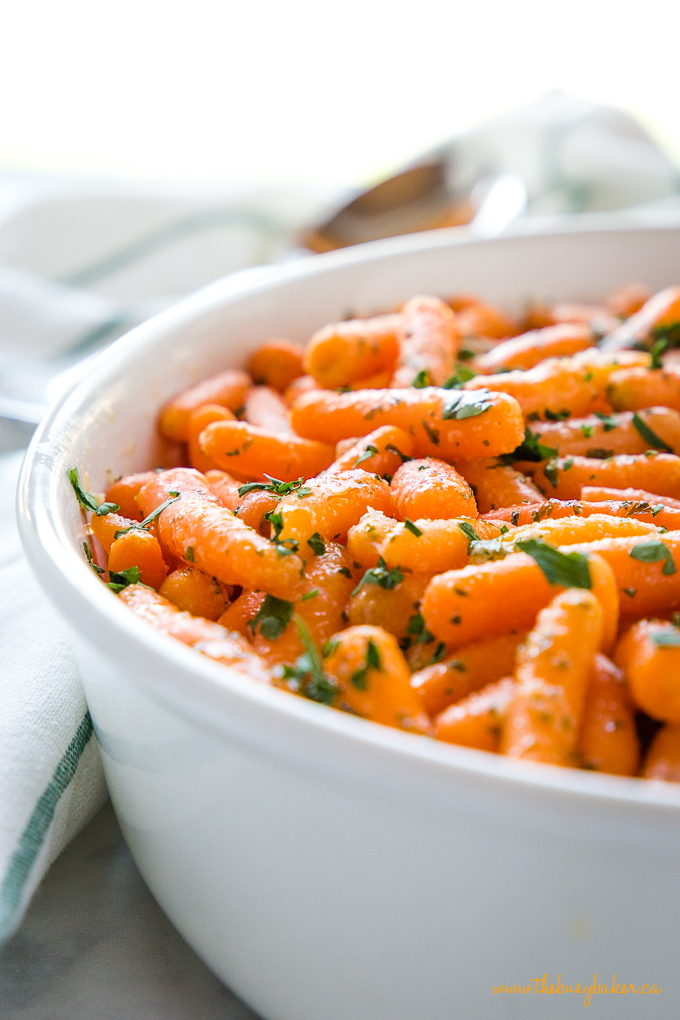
(630, 389)
(473, 667)
(138, 548)
(124, 493)
(330, 505)
(381, 452)
(495, 484)
(663, 757)
(651, 428)
(228, 389)
(476, 720)
(198, 420)
(528, 349)
(249, 452)
(607, 740)
(428, 342)
(433, 489)
(347, 352)
(661, 310)
(373, 679)
(197, 529)
(564, 477)
(223, 646)
(365, 538)
(649, 654)
(276, 363)
(553, 667)
(267, 409)
(194, 592)
(442, 422)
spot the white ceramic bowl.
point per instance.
(325, 867)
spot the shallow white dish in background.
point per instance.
(325, 867)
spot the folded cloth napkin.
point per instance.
(79, 263)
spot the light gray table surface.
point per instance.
(94, 945)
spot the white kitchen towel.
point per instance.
(82, 261)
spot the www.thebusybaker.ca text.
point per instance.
(540, 986)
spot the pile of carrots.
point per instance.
(443, 519)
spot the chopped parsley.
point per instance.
(370, 451)
(587, 431)
(87, 501)
(275, 518)
(570, 570)
(599, 453)
(417, 629)
(654, 552)
(380, 575)
(608, 421)
(552, 471)
(346, 571)
(90, 559)
(649, 436)
(462, 375)
(556, 415)
(422, 379)
(274, 485)
(189, 553)
(360, 678)
(533, 449)
(318, 687)
(316, 544)
(395, 449)
(432, 434)
(666, 638)
(466, 404)
(144, 525)
(310, 595)
(469, 532)
(414, 529)
(657, 350)
(273, 617)
(122, 578)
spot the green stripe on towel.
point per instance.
(33, 836)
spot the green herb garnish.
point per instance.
(466, 404)
(657, 350)
(608, 420)
(570, 570)
(273, 617)
(649, 436)
(533, 449)
(462, 375)
(654, 552)
(380, 575)
(667, 638)
(310, 595)
(319, 687)
(394, 449)
(87, 501)
(90, 559)
(410, 526)
(143, 525)
(422, 379)
(469, 532)
(274, 485)
(122, 578)
(316, 544)
(360, 678)
(370, 451)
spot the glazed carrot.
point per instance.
(599, 493)
(562, 386)
(654, 512)
(347, 352)
(194, 592)
(224, 487)
(429, 547)
(238, 615)
(553, 667)
(267, 409)
(564, 477)
(587, 528)
(646, 571)
(628, 300)
(365, 538)
(441, 421)
(206, 637)
(253, 509)
(124, 493)
(381, 452)
(431, 489)
(480, 319)
(661, 310)
(104, 528)
(304, 384)
(649, 654)
(276, 363)
(632, 388)
(663, 756)
(528, 349)
(197, 529)
(228, 389)
(473, 667)
(503, 597)
(248, 452)
(325, 588)
(330, 505)
(394, 609)
(140, 549)
(476, 720)
(428, 343)
(625, 432)
(198, 420)
(373, 678)
(495, 484)
(607, 740)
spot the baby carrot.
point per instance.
(194, 592)
(480, 319)
(381, 452)
(228, 389)
(651, 510)
(608, 741)
(528, 349)
(661, 310)
(365, 538)
(198, 420)
(587, 528)
(442, 422)
(330, 505)
(248, 452)
(655, 428)
(304, 384)
(552, 672)
(429, 340)
(473, 667)
(124, 493)
(276, 363)
(431, 489)
(432, 546)
(496, 485)
(599, 493)
(347, 352)
(373, 679)
(138, 548)
(663, 757)
(649, 654)
(238, 615)
(630, 389)
(253, 509)
(206, 637)
(197, 529)
(104, 528)
(475, 721)
(564, 477)
(394, 609)
(224, 487)
(267, 409)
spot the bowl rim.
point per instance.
(193, 685)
